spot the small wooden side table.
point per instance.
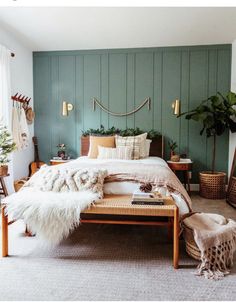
(185, 165)
(54, 162)
(3, 188)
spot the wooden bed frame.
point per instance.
(156, 147)
(117, 209)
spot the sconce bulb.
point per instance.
(176, 107)
(66, 107)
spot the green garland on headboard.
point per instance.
(127, 132)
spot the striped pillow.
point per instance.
(137, 143)
(114, 153)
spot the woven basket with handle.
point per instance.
(212, 185)
(190, 245)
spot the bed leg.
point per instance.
(4, 233)
(176, 239)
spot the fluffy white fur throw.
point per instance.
(51, 215)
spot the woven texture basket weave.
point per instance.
(19, 183)
(190, 245)
(231, 196)
(212, 186)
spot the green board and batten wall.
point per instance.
(122, 79)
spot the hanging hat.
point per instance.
(29, 115)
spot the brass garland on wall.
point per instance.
(146, 101)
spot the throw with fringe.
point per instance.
(215, 237)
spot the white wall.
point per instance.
(232, 136)
(22, 82)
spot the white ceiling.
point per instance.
(54, 28)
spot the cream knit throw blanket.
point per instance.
(215, 237)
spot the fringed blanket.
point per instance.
(215, 237)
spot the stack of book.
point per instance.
(146, 199)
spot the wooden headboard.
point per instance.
(156, 148)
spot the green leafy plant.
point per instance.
(126, 132)
(61, 147)
(172, 145)
(101, 131)
(6, 145)
(216, 115)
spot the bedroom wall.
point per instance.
(22, 82)
(121, 79)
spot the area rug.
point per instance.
(104, 262)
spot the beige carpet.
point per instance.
(108, 263)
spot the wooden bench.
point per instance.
(117, 209)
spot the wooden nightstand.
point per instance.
(54, 162)
(185, 165)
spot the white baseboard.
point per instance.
(194, 187)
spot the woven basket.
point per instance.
(190, 245)
(19, 183)
(231, 195)
(212, 186)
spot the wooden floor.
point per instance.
(212, 206)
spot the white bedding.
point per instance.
(149, 160)
(129, 187)
(123, 187)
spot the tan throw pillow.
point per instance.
(137, 143)
(95, 141)
(123, 152)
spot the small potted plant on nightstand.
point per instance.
(173, 146)
(61, 150)
(6, 147)
(216, 116)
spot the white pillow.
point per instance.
(137, 143)
(147, 145)
(123, 152)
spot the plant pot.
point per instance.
(212, 185)
(3, 170)
(175, 158)
(61, 154)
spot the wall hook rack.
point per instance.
(24, 100)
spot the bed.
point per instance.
(115, 207)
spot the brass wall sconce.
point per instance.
(176, 107)
(66, 107)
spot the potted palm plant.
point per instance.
(216, 115)
(173, 146)
(6, 147)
